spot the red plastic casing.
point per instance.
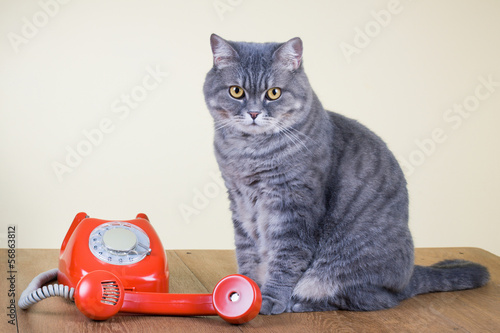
(75, 259)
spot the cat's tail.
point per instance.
(447, 275)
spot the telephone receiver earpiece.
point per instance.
(100, 295)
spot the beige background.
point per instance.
(404, 68)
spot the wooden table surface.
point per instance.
(198, 271)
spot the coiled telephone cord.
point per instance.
(34, 293)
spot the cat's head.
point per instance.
(257, 88)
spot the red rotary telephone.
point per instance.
(130, 249)
(109, 266)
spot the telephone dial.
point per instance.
(108, 266)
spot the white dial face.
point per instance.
(119, 243)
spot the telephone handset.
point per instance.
(107, 266)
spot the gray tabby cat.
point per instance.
(319, 203)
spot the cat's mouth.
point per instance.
(254, 127)
(246, 124)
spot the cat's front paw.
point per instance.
(271, 306)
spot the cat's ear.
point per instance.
(290, 54)
(224, 54)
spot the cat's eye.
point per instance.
(236, 92)
(273, 94)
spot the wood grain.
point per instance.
(198, 271)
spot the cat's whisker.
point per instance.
(294, 130)
(289, 134)
(297, 144)
(304, 135)
(295, 137)
(221, 124)
(283, 131)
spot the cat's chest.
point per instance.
(255, 178)
(251, 210)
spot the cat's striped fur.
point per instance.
(319, 203)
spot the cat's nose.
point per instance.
(254, 114)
